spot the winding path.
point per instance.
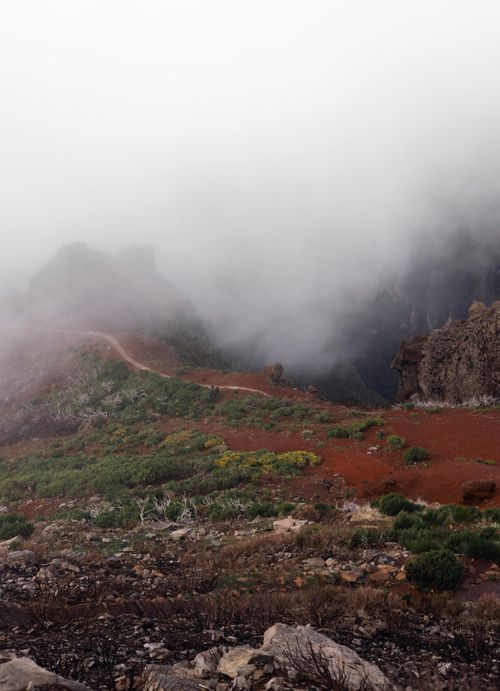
(125, 355)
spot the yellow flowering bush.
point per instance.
(177, 438)
(215, 443)
(263, 461)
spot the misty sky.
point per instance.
(280, 155)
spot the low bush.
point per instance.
(405, 520)
(13, 525)
(492, 515)
(436, 569)
(368, 537)
(396, 442)
(481, 548)
(461, 514)
(338, 433)
(392, 504)
(415, 454)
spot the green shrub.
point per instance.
(436, 569)
(492, 515)
(368, 537)
(419, 541)
(435, 517)
(338, 433)
(405, 520)
(326, 509)
(322, 416)
(396, 442)
(489, 533)
(480, 548)
(461, 514)
(392, 504)
(416, 454)
(12, 525)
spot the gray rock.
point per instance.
(164, 678)
(206, 662)
(241, 660)
(21, 557)
(22, 673)
(292, 645)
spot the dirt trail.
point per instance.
(125, 355)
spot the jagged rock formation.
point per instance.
(457, 363)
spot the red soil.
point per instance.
(449, 435)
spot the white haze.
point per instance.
(282, 156)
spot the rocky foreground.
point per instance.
(170, 606)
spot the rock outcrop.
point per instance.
(22, 673)
(457, 363)
(291, 657)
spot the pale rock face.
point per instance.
(237, 661)
(22, 673)
(288, 643)
(288, 525)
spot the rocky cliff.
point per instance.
(456, 363)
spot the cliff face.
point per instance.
(456, 363)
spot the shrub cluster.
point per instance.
(13, 525)
(437, 569)
(416, 454)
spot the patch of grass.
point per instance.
(416, 454)
(485, 461)
(354, 431)
(395, 442)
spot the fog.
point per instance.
(284, 158)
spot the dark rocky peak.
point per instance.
(456, 363)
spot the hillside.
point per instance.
(142, 499)
(81, 289)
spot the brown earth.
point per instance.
(457, 438)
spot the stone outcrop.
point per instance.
(455, 364)
(301, 644)
(274, 372)
(22, 673)
(291, 657)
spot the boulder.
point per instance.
(294, 647)
(205, 663)
(288, 525)
(21, 557)
(22, 673)
(241, 661)
(478, 489)
(274, 372)
(165, 678)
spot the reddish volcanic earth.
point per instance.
(464, 443)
